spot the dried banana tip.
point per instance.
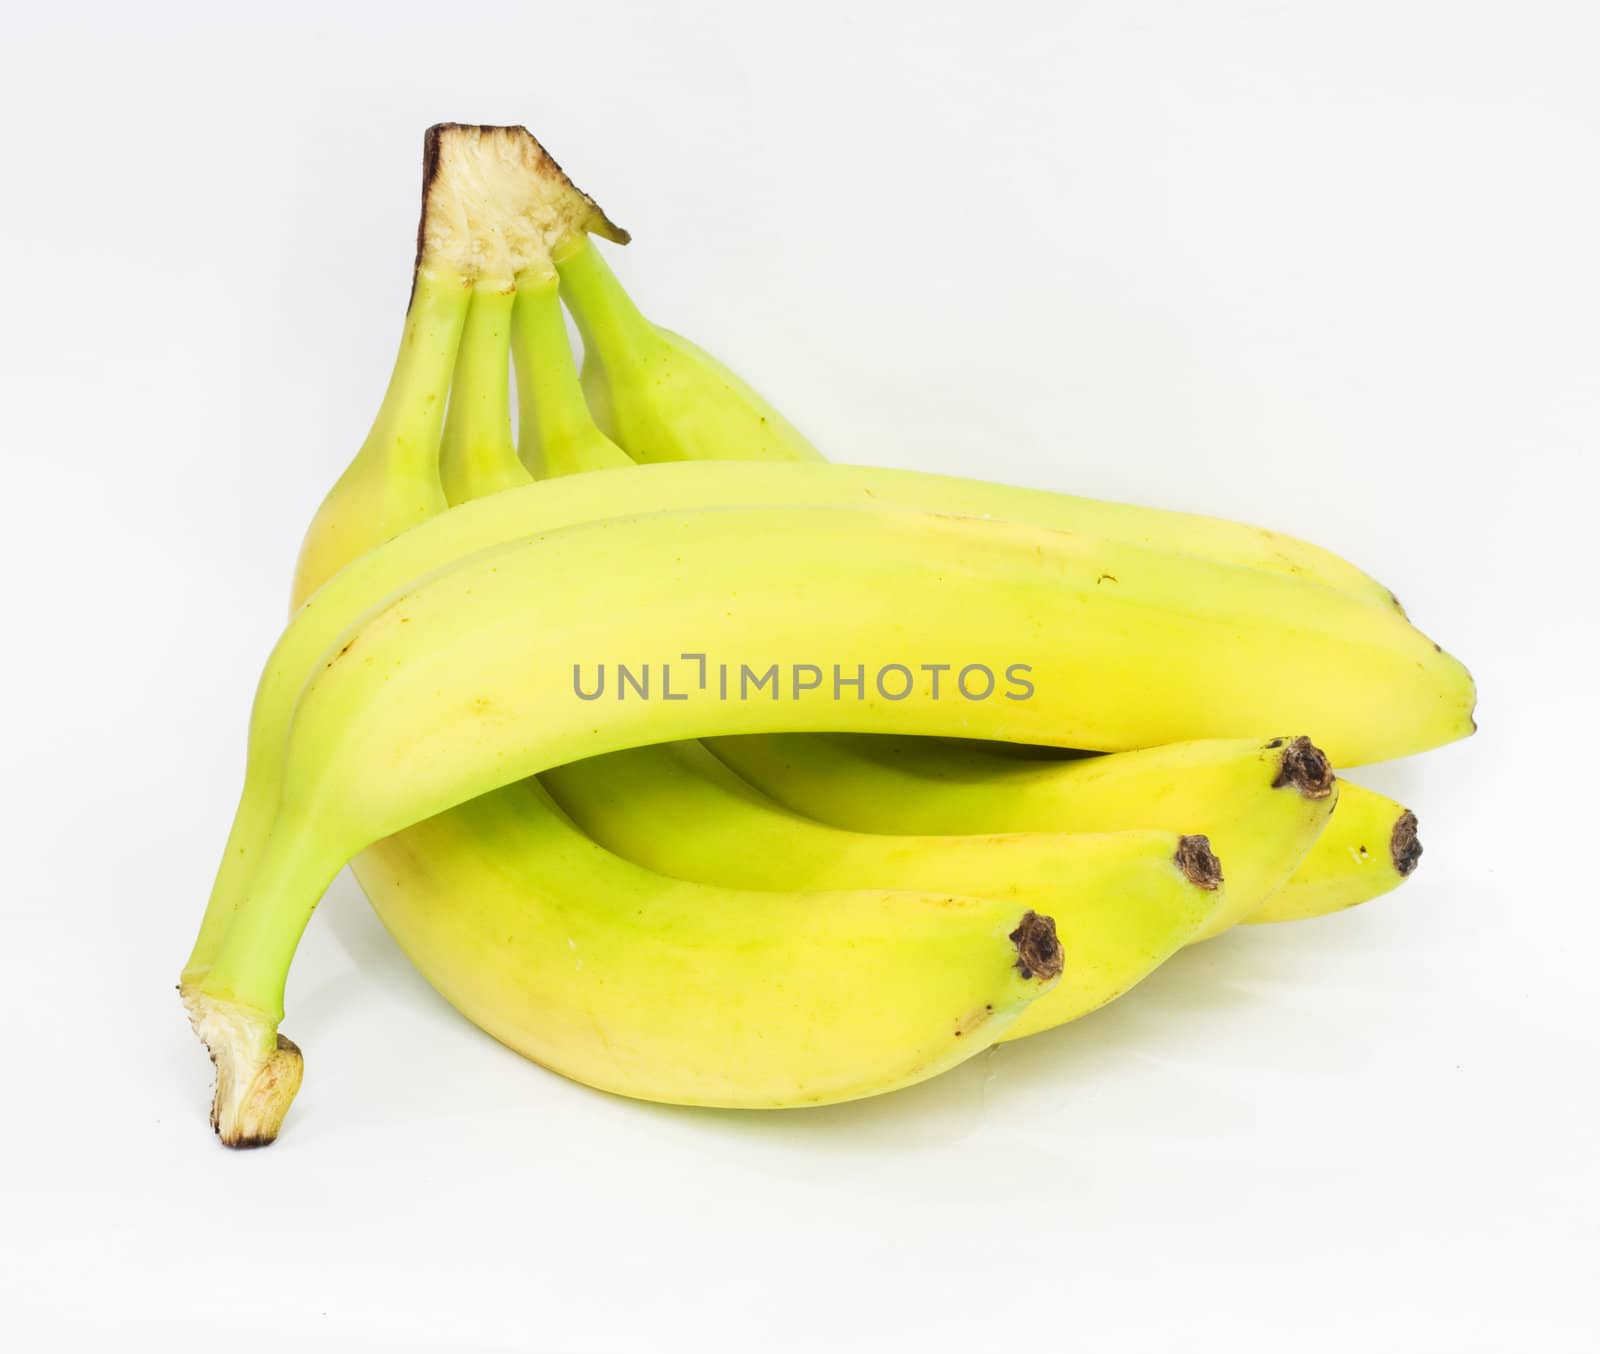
(1039, 953)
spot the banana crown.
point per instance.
(494, 203)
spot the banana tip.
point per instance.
(1039, 953)
(1304, 767)
(1405, 847)
(1198, 862)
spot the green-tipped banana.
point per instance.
(1370, 847)
(665, 990)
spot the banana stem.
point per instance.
(405, 434)
(400, 454)
(613, 329)
(476, 454)
(558, 433)
(235, 1006)
(395, 476)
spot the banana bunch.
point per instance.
(702, 770)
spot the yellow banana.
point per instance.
(1119, 905)
(878, 784)
(1432, 703)
(1263, 802)
(1370, 846)
(696, 995)
(469, 679)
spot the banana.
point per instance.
(881, 784)
(1370, 847)
(1432, 704)
(1264, 803)
(695, 995)
(470, 679)
(661, 398)
(1119, 905)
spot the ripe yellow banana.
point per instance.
(1370, 846)
(466, 680)
(1119, 905)
(879, 784)
(438, 542)
(1263, 802)
(695, 995)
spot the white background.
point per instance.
(1331, 267)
